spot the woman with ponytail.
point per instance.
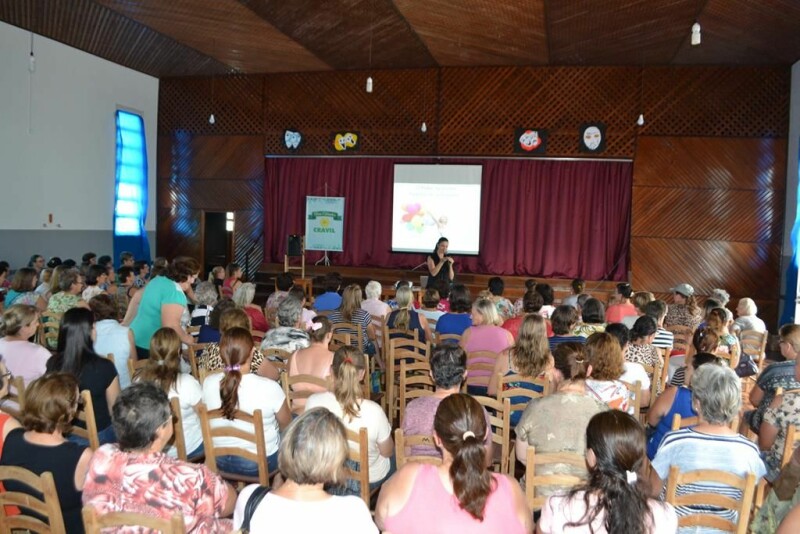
(614, 498)
(406, 317)
(315, 360)
(347, 402)
(460, 495)
(164, 370)
(236, 388)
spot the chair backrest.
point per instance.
(177, 418)
(255, 437)
(271, 315)
(292, 394)
(48, 506)
(636, 390)
(726, 357)
(559, 482)
(790, 443)
(339, 339)
(274, 354)
(14, 403)
(94, 523)
(379, 323)
(355, 330)
(405, 349)
(192, 352)
(49, 323)
(403, 444)
(682, 337)
(455, 339)
(679, 422)
(499, 418)
(654, 372)
(754, 344)
(415, 382)
(86, 415)
(665, 352)
(359, 454)
(136, 366)
(711, 498)
(480, 366)
(513, 387)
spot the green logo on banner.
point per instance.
(317, 214)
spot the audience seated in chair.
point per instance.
(243, 297)
(604, 354)
(22, 289)
(684, 310)
(564, 320)
(135, 475)
(419, 497)
(21, 357)
(485, 334)
(622, 307)
(211, 360)
(746, 318)
(75, 355)
(316, 360)
(236, 388)
(557, 422)
(351, 312)
(783, 411)
(459, 318)
(593, 318)
(330, 300)
(504, 307)
(164, 370)
(711, 444)
(111, 337)
(615, 497)
(407, 318)
(290, 335)
(311, 455)
(347, 402)
(50, 405)
(531, 303)
(703, 340)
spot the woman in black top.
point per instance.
(440, 265)
(76, 356)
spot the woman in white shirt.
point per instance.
(236, 388)
(311, 455)
(111, 337)
(164, 370)
(347, 402)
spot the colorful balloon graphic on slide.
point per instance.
(417, 218)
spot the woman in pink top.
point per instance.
(615, 498)
(316, 360)
(459, 495)
(623, 307)
(485, 334)
(22, 357)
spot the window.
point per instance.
(130, 201)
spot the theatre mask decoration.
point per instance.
(592, 137)
(292, 139)
(346, 141)
(530, 141)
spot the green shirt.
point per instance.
(160, 291)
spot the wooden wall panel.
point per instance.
(183, 156)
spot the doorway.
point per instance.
(217, 239)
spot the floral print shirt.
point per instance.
(787, 413)
(157, 485)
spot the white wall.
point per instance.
(58, 142)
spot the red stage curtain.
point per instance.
(538, 218)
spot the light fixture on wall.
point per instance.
(369, 84)
(211, 118)
(368, 87)
(424, 127)
(640, 120)
(32, 58)
(228, 216)
(696, 38)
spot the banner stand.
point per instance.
(324, 225)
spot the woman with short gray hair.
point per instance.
(243, 297)
(711, 444)
(746, 318)
(289, 336)
(205, 298)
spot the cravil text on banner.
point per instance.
(324, 223)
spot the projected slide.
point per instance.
(433, 201)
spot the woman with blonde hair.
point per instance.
(312, 453)
(164, 370)
(243, 297)
(406, 317)
(236, 388)
(528, 357)
(350, 311)
(485, 334)
(348, 403)
(316, 360)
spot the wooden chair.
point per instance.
(341, 339)
(636, 389)
(499, 419)
(177, 423)
(480, 361)
(193, 330)
(415, 382)
(534, 482)
(47, 333)
(256, 437)
(726, 357)
(754, 344)
(679, 422)
(86, 415)
(191, 354)
(529, 393)
(446, 338)
(135, 367)
(742, 506)
(94, 523)
(353, 329)
(665, 352)
(400, 349)
(790, 443)
(14, 403)
(48, 506)
(682, 337)
(293, 395)
(403, 444)
(359, 455)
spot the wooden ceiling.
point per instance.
(168, 38)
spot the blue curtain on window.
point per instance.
(130, 200)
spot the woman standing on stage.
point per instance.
(440, 265)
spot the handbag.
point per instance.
(747, 367)
(250, 507)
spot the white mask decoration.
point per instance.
(292, 139)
